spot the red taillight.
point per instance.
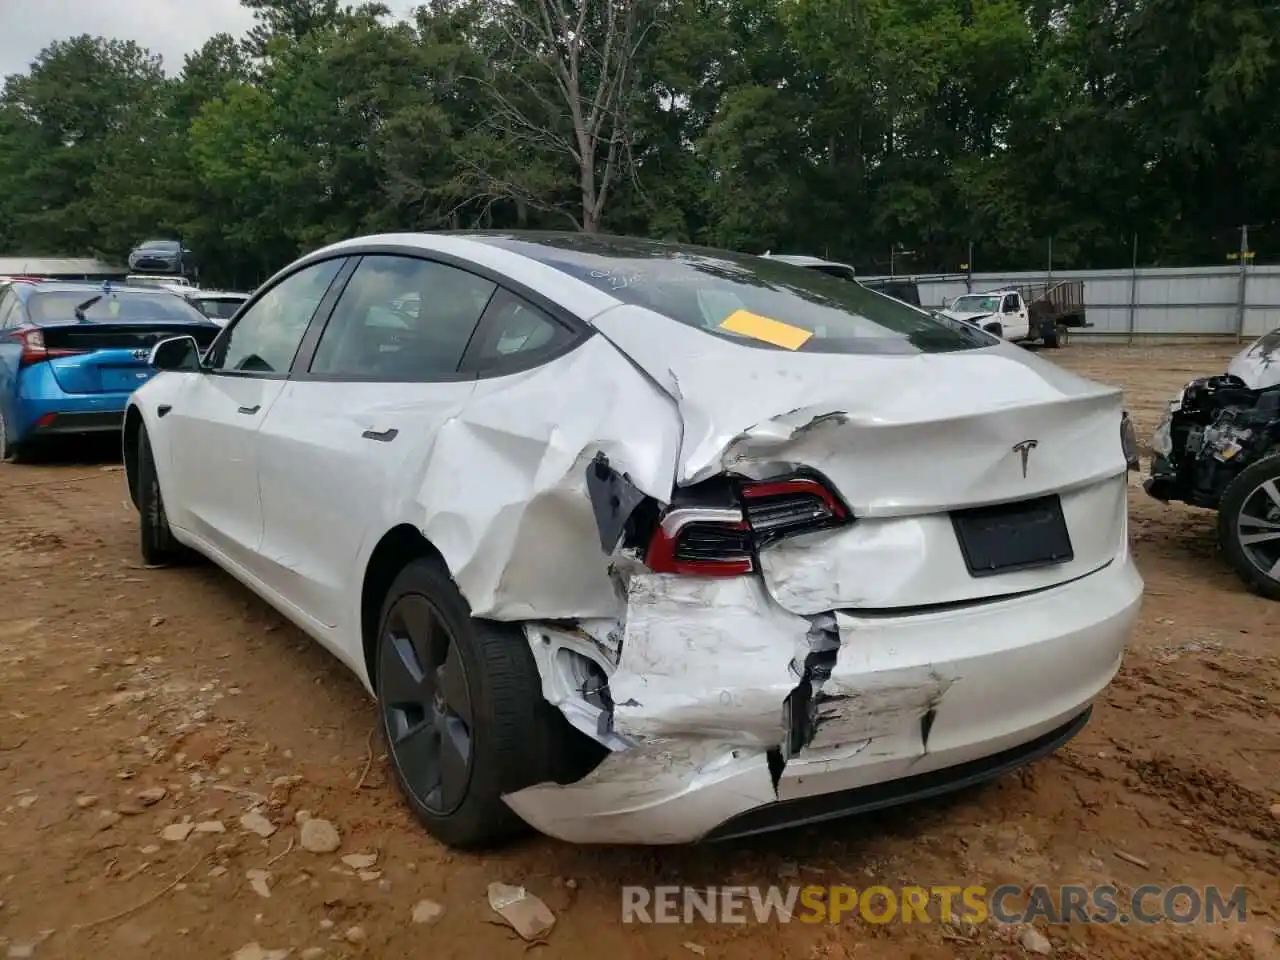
(775, 506)
(701, 542)
(34, 350)
(722, 541)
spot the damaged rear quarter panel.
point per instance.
(503, 496)
(705, 657)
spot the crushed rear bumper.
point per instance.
(915, 705)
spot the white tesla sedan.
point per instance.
(637, 542)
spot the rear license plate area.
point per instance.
(115, 379)
(1013, 536)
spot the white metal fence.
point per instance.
(1150, 301)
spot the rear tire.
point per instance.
(159, 548)
(462, 712)
(9, 452)
(1253, 494)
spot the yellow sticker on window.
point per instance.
(748, 324)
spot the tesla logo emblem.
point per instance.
(1023, 450)
(141, 354)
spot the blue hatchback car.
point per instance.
(72, 353)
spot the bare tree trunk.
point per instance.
(587, 51)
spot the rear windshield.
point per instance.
(222, 309)
(158, 245)
(756, 301)
(122, 306)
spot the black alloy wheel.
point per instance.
(462, 711)
(426, 703)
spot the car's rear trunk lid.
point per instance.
(112, 357)
(910, 442)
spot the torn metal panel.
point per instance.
(575, 667)
(1258, 364)
(606, 635)
(873, 708)
(663, 791)
(706, 658)
(614, 499)
(876, 425)
(517, 526)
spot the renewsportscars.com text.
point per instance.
(1067, 903)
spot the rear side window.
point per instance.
(401, 319)
(122, 306)
(756, 301)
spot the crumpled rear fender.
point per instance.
(517, 527)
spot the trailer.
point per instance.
(1056, 308)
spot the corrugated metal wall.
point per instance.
(1151, 301)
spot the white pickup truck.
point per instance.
(1002, 312)
(1043, 312)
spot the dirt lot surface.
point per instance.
(119, 684)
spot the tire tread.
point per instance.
(157, 545)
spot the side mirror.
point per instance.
(178, 354)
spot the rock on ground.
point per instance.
(319, 836)
(252, 951)
(427, 911)
(255, 822)
(177, 831)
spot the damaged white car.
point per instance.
(636, 542)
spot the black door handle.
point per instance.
(250, 410)
(386, 436)
(163, 409)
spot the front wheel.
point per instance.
(1249, 526)
(462, 710)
